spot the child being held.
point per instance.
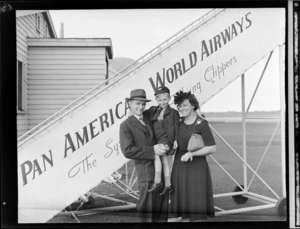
(165, 123)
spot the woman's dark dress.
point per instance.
(193, 195)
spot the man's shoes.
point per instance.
(166, 190)
(155, 187)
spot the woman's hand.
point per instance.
(187, 156)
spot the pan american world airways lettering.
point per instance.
(208, 47)
(31, 170)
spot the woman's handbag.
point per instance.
(196, 142)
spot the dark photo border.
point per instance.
(8, 125)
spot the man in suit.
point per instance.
(137, 143)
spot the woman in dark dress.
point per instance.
(192, 198)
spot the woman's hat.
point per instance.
(138, 94)
(180, 96)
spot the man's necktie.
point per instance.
(142, 121)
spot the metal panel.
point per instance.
(66, 82)
(58, 67)
(71, 85)
(66, 72)
(53, 97)
(58, 92)
(99, 78)
(76, 42)
(47, 112)
(49, 102)
(50, 107)
(67, 60)
(60, 57)
(66, 51)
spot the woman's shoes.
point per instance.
(166, 190)
(155, 187)
(187, 220)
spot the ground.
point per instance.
(270, 170)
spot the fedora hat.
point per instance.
(138, 94)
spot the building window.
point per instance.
(20, 86)
(46, 31)
(106, 69)
(38, 22)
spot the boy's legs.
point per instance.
(158, 169)
(167, 172)
(157, 177)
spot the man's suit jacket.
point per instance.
(171, 121)
(137, 142)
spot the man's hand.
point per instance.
(159, 149)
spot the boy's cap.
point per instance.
(161, 90)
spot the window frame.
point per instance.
(46, 32)
(21, 108)
(106, 68)
(38, 22)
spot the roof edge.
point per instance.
(50, 22)
(72, 42)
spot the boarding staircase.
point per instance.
(31, 143)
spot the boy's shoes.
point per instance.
(171, 152)
(166, 190)
(155, 187)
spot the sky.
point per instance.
(136, 32)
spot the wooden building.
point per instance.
(28, 24)
(52, 72)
